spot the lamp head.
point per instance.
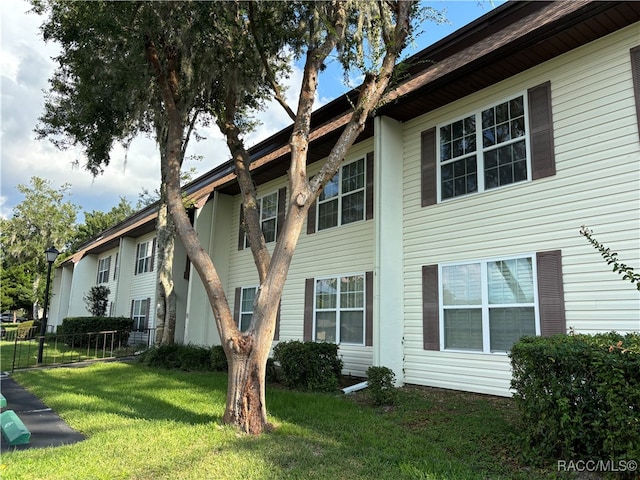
(51, 254)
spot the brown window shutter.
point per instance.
(131, 314)
(311, 219)
(308, 310)
(187, 269)
(241, 230)
(236, 307)
(543, 162)
(115, 266)
(135, 264)
(368, 313)
(153, 254)
(551, 293)
(635, 75)
(282, 201)
(428, 165)
(368, 197)
(276, 333)
(148, 314)
(430, 308)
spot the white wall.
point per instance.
(598, 168)
(334, 251)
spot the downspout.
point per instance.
(355, 388)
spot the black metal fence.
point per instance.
(20, 346)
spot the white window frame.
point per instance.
(340, 195)
(243, 311)
(485, 305)
(139, 314)
(146, 260)
(260, 201)
(339, 309)
(104, 267)
(480, 149)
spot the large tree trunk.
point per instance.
(165, 291)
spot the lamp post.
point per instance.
(51, 254)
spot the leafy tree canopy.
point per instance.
(43, 219)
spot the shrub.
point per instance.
(578, 396)
(218, 359)
(178, 357)
(381, 389)
(271, 373)
(309, 366)
(76, 330)
(97, 300)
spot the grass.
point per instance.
(54, 352)
(145, 423)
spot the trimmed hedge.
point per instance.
(578, 395)
(191, 358)
(79, 327)
(219, 359)
(308, 366)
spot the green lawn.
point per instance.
(144, 423)
(54, 352)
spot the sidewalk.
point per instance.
(46, 427)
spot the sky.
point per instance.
(26, 65)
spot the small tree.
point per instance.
(97, 300)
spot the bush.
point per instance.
(178, 357)
(97, 300)
(309, 366)
(76, 329)
(381, 389)
(578, 396)
(218, 359)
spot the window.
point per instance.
(485, 150)
(271, 211)
(103, 269)
(248, 295)
(487, 306)
(268, 212)
(140, 313)
(144, 257)
(343, 199)
(340, 309)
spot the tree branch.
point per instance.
(270, 76)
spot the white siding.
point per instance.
(334, 251)
(84, 277)
(598, 171)
(111, 284)
(143, 285)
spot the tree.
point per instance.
(44, 218)
(165, 292)
(97, 300)
(221, 60)
(97, 222)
